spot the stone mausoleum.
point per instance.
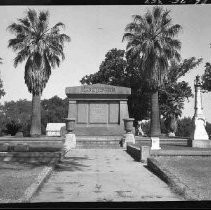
(98, 109)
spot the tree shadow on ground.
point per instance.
(71, 164)
(20, 165)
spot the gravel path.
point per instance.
(103, 175)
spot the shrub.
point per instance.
(184, 128)
(208, 129)
(12, 127)
(146, 128)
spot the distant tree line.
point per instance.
(16, 115)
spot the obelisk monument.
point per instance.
(199, 137)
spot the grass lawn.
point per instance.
(15, 178)
(193, 171)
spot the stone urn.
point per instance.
(70, 124)
(128, 124)
(171, 124)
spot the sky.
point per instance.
(94, 30)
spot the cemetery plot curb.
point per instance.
(174, 182)
(33, 189)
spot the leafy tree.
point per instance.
(151, 37)
(173, 94)
(54, 110)
(2, 92)
(15, 115)
(42, 48)
(184, 127)
(206, 77)
(111, 70)
(116, 70)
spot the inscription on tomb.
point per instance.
(98, 113)
(85, 89)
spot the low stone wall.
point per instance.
(138, 153)
(31, 151)
(30, 146)
(30, 157)
(184, 152)
(134, 152)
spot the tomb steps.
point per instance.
(98, 142)
(99, 131)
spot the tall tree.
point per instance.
(54, 110)
(42, 48)
(173, 93)
(152, 37)
(2, 92)
(206, 77)
(116, 70)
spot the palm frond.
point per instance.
(25, 22)
(58, 25)
(42, 47)
(173, 30)
(21, 56)
(15, 28)
(152, 37)
(32, 16)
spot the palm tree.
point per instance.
(42, 48)
(151, 37)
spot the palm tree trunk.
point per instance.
(155, 116)
(36, 117)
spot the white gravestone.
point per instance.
(54, 129)
(155, 143)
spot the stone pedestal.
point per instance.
(155, 143)
(129, 137)
(199, 136)
(70, 141)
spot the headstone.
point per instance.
(19, 134)
(54, 129)
(145, 153)
(199, 137)
(171, 134)
(155, 143)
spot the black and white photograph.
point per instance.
(105, 105)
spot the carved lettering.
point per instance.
(85, 89)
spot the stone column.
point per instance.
(123, 111)
(199, 137)
(72, 110)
